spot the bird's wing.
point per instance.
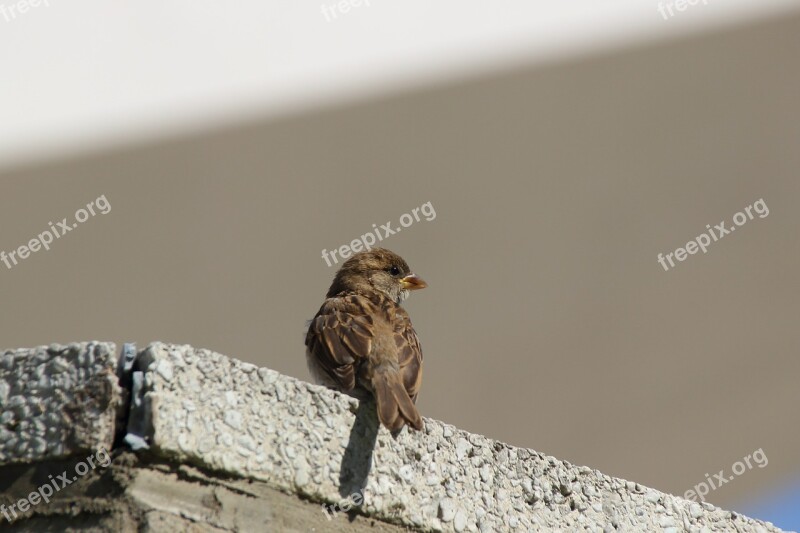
(340, 336)
(409, 353)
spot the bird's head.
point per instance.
(376, 270)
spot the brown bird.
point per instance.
(362, 340)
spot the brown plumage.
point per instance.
(362, 339)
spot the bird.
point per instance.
(361, 341)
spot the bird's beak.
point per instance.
(413, 282)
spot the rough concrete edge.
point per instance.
(442, 479)
(58, 400)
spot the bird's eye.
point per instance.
(394, 271)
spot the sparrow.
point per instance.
(361, 340)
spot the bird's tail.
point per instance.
(395, 407)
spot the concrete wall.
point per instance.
(222, 445)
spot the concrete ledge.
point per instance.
(229, 422)
(56, 401)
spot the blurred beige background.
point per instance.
(548, 322)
